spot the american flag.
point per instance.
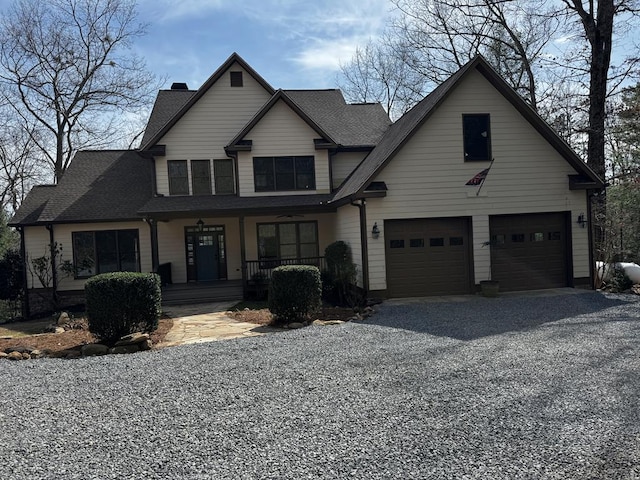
(479, 177)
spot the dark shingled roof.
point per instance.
(168, 207)
(402, 130)
(33, 205)
(360, 124)
(344, 124)
(167, 104)
(98, 186)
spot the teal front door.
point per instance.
(205, 251)
(207, 257)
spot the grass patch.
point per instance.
(24, 329)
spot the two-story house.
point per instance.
(236, 178)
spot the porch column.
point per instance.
(243, 253)
(153, 227)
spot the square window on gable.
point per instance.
(236, 79)
(477, 137)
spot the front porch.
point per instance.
(256, 272)
(218, 291)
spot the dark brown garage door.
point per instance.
(428, 257)
(529, 252)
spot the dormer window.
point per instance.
(277, 174)
(477, 137)
(236, 79)
(178, 177)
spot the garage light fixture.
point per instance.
(200, 225)
(582, 221)
(375, 231)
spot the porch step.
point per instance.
(192, 293)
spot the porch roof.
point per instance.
(231, 205)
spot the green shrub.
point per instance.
(294, 292)
(618, 280)
(121, 303)
(339, 276)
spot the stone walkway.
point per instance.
(207, 322)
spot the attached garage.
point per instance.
(530, 252)
(428, 257)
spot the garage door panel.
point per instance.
(529, 251)
(428, 256)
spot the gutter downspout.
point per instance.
(153, 232)
(362, 206)
(26, 311)
(592, 263)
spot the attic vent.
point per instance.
(236, 79)
(179, 86)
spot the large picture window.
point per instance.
(284, 173)
(201, 177)
(477, 137)
(105, 251)
(178, 177)
(295, 240)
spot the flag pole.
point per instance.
(485, 177)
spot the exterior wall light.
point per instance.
(375, 231)
(582, 221)
(200, 225)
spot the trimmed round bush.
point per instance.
(294, 292)
(121, 303)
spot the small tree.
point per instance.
(45, 270)
(339, 277)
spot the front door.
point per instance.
(207, 257)
(205, 253)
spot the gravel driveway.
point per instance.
(514, 387)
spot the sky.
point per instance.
(291, 43)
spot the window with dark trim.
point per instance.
(272, 174)
(477, 137)
(178, 177)
(291, 240)
(223, 176)
(105, 251)
(236, 79)
(201, 177)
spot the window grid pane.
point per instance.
(201, 177)
(284, 173)
(223, 175)
(178, 177)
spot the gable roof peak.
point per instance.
(195, 96)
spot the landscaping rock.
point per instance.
(3, 355)
(146, 345)
(73, 354)
(133, 339)
(63, 318)
(36, 354)
(18, 349)
(295, 325)
(14, 356)
(94, 349)
(58, 330)
(120, 349)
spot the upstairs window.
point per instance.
(277, 174)
(178, 177)
(477, 137)
(201, 177)
(236, 79)
(223, 175)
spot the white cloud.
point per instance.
(170, 10)
(327, 55)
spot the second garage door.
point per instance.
(428, 257)
(529, 252)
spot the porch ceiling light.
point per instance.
(200, 225)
